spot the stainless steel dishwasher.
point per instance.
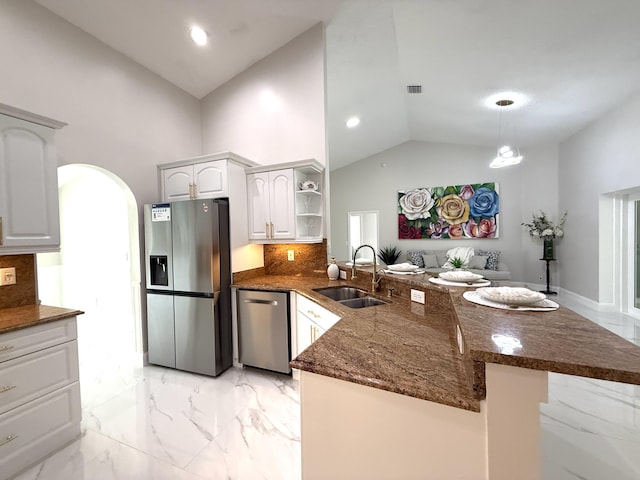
(263, 330)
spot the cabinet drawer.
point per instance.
(22, 342)
(34, 430)
(28, 377)
(319, 315)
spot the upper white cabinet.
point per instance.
(271, 205)
(29, 216)
(201, 180)
(200, 177)
(285, 202)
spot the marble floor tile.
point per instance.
(157, 423)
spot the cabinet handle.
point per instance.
(6, 388)
(4, 348)
(10, 438)
(1, 236)
(266, 229)
(311, 333)
(271, 229)
(313, 314)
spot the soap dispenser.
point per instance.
(333, 272)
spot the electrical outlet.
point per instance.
(8, 276)
(290, 255)
(417, 296)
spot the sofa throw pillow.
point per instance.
(493, 258)
(479, 262)
(415, 257)
(441, 256)
(430, 261)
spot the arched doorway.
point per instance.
(98, 267)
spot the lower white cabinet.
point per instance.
(40, 408)
(312, 321)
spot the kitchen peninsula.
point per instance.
(390, 392)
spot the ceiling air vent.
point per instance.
(414, 88)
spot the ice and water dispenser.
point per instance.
(159, 271)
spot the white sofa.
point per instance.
(493, 268)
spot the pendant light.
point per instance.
(507, 153)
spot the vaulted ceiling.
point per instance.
(573, 59)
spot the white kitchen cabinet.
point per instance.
(29, 216)
(312, 321)
(201, 180)
(271, 205)
(40, 408)
(280, 207)
(207, 176)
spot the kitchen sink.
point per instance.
(341, 293)
(362, 302)
(350, 297)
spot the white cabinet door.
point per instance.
(177, 182)
(282, 206)
(29, 217)
(210, 179)
(199, 180)
(305, 332)
(258, 206)
(271, 205)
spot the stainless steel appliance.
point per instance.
(263, 330)
(187, 257)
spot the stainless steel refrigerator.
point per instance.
(187, 257)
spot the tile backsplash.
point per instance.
(24, 291)
(308, 259)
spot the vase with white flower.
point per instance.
(542, 227)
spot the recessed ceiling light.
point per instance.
(198, 35)
(353, 122)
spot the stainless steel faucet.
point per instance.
(374, 279)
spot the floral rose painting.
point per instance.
(456, 211)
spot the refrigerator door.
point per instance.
(263, 330)
(160, 329)
(158, 250)
(196, 246)
(197, 335)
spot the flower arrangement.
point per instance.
(542, 227)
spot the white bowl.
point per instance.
(460, 276)
(511, 295)
(403, 267)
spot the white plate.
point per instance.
(511, 295)
(396, 272)
(460, 276)
(403, 267)
(363, 261)
(477, 283)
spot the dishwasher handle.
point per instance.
(262, 302)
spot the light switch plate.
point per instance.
(417, 296)
(8, 276)
(343, 275)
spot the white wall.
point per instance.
(601, 159)
(528, 187)
(273, 112)
(120, 116)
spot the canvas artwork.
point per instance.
(455, 212)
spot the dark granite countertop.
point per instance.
(408, 348)
(30, 315)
